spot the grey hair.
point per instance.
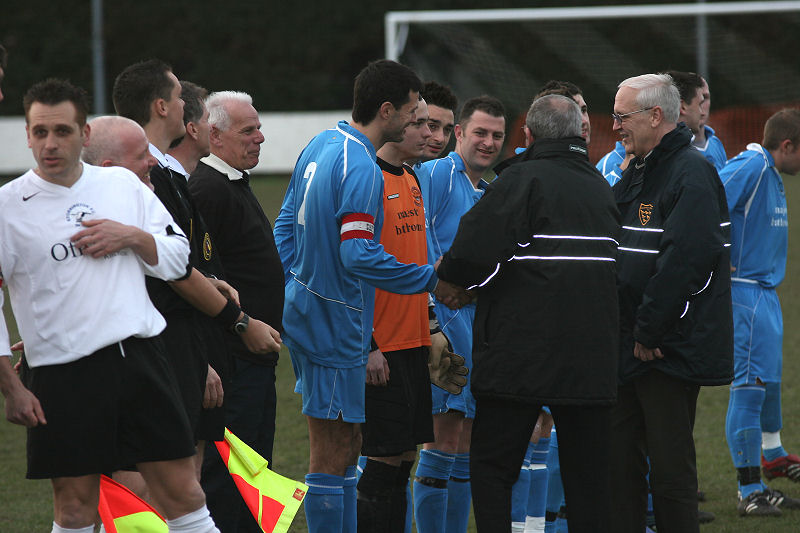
(554, 117)
(218, 115)
(656, 90)
(104, 138)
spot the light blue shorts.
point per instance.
(329, 392)
(757, 334)
(457, 325)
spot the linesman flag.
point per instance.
(272, 498)
(122, 511)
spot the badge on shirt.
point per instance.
(645, 210)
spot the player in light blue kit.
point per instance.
(441, 487)
(759, 240)
(695, 106)
(327, 234)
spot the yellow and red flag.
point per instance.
(122, 511)
(272, 498)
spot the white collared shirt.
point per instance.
(221, 166)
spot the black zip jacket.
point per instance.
(540, 243)
(673, 264)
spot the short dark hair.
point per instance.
(562, 88)
(53, 91)
(193, 97)
(785, 124)
(487, 104)
(686, 82)
(439, 95)
(138, 86)
(382, 81)
(3, 57)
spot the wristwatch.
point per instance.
(240, 326)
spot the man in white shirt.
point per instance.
(98, 392)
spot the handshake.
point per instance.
(452, 296)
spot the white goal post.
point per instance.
(396, 22)
(744, 49)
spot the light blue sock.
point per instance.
(537, 495)
(555, 490)
(324, 503)
(743, 431)
(459, 495)
(772, 419)
(362, 462)
(650, 517)
(430, 503)
(519, 492)
(349, 510)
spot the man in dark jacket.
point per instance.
(540, 249)
(675, 306)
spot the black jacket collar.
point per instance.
(544, 148)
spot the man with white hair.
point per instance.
(220, 187)
(673, 270)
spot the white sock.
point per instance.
(198, 521)
(59, 529)
(102, 529)
(770, 441)
(534, 524)
(517, 527)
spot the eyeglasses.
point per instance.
(622, 117)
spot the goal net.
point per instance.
(747, 51)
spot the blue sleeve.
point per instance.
(367, 260)
(284, 230)
(360, 192)
(736, 177)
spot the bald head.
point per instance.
(120, 142)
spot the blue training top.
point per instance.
(759, 223)
(328, 234)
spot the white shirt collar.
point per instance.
(221, 166)
(161, 158)
(176, 165)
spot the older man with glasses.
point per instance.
(673, 270)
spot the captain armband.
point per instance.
(357, 226)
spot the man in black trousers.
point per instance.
(540, 250)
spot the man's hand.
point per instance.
(644, 353)
(446, 369)
(377, 369)
(213, 394)
(22, 407)
(452, 296)
(261, 337)
(102, 237)
(226, 290)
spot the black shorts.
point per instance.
(105, 411)
(398, 416)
